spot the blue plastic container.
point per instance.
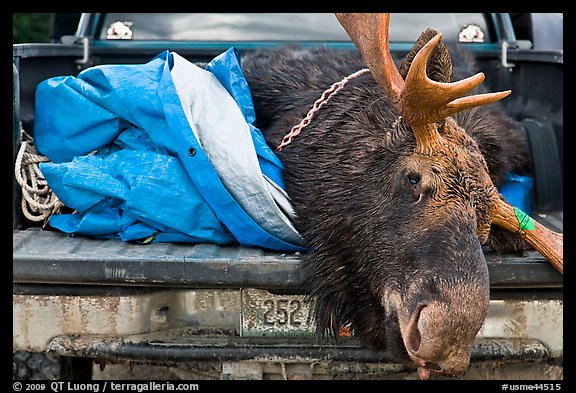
(517, 190)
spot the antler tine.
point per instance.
(547, 242)
(425, 101)
(369, 32)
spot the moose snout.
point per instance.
(426, 361)
(438, 341)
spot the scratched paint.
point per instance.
(537, 319)
(37, 319)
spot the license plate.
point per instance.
(271, 315)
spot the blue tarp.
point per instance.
(124, 155)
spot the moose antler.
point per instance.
(421, 101)
(369, 32)
(547, 242)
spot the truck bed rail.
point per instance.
(42, 257)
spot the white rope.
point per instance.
(38, 200)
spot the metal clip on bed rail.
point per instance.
(504, 56)
(85, 57)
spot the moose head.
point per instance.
(423, 103)
(395, 199)
(444, 204)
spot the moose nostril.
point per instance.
(433, 366)
(414, 337)
(414, 340)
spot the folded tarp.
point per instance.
(164, 151)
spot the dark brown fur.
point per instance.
(371, 244)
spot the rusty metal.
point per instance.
(39, 318)
(206, 324)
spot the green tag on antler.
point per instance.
(525, 222)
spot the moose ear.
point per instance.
(439, 66)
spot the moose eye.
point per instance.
(414, 178)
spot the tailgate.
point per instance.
(50, 257)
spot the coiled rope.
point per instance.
(38, 200)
